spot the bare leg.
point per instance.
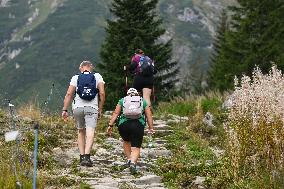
(81, 140)
(147, 95)
(90, 132)
(127, 149)
(135, 153)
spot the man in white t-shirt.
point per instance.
(86, 112)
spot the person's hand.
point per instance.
(64, 115)
(109, 130)
(151, 131)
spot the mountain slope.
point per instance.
(43, 41)
(73, 33)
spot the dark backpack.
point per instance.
(86, 86)
(146, 66)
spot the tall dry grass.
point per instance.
(255, 131)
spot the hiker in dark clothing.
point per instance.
(143, 81)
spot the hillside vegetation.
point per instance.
(231, 141)
(42, 42)
(57, 46)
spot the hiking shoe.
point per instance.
(88, 162)
(132, 168)
(128, 163)
(83, 160)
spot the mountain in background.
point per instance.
(42, 42)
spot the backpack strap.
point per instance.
(84, 72)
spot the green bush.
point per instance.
(210, 105)
(177, 106)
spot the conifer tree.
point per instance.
(134, 24)
(273, 37)
(255, 37)
(218, 68)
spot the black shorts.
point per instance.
(132, 131)
(141, 82)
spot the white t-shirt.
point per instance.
(78, 102)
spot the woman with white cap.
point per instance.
(131, 124)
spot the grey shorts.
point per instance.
(85, 117)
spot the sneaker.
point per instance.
(88, 162)
(128, 163)
(82, 160)
(132, 168)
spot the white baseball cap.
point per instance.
(132, 91)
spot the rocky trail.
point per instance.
(109, 169)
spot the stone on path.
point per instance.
(109, 169)
(149, 179)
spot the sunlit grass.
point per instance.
(53, 133)
(191, 157)
(251, 157)
(189, 105)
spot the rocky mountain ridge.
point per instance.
(33, 36)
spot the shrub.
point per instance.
(255, 132)
(189, 105)
(177, 106)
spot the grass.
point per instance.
(191, 146)
(191, 157)
(50, 136)
(7, 173)
(189, 105)
(53, 133)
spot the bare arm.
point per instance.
(67, 100)
(114, 116)
(101, 87)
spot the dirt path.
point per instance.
(109, 170)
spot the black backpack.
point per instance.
(146, 66)
(86, 86)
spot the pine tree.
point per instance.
(247, 24)
(192, 82)
(273, 37)
(135, 25)
(255, 37)
(219, 38)
(219, 70)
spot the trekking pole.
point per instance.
(125, 72)
(35, 154)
